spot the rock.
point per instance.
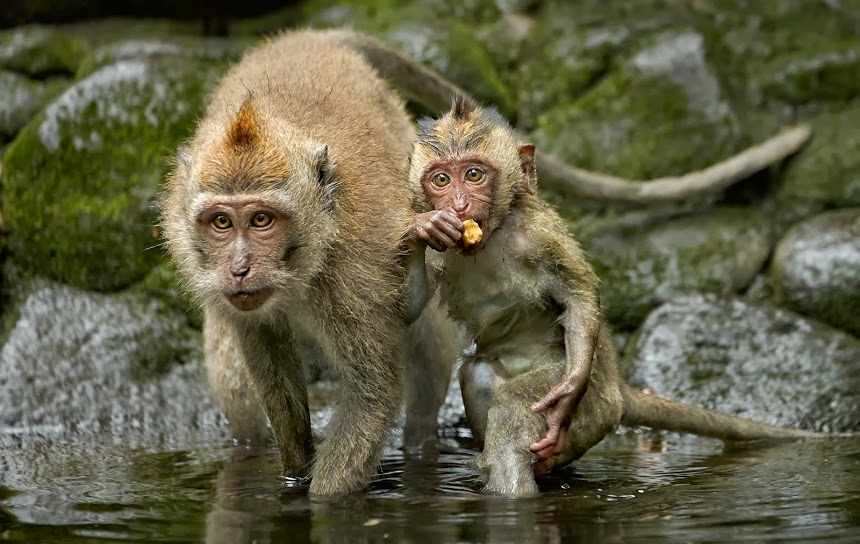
(442, 35)
(40, 51)
(79, 180)
(215, 49)
(754, 361)
(815, 269)
(827, 172)
(85, 363)
(22, 99)
(661, 112)
(778, 53)
(642, 265)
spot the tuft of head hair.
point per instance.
(244, 131)
(467, 127)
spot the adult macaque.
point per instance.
(530, 301)
(287, 215)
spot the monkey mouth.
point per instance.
(247, 301)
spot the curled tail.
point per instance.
(659, 413)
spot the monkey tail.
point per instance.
(658, 413)
(411, 78)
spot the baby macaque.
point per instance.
(530, 301)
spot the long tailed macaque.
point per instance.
(287, 216)
(530, 300)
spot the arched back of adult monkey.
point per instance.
(286, 214)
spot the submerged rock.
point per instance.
(754, 361)
(815, 269)
(643, 265)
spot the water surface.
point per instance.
(631, 488)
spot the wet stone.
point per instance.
(91, 364)
(642, 264)
(815, 269)
(750, 360)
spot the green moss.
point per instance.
(214, 49)
(644, 264)
(827, 172)
(79, 179)
(807, 76)
(23, 98)
(161, 284)
(39, 51)
(442, 35)
(641, 121)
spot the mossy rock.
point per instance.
(39, 51)
(643, 265)
(573, 46)
(214, 49)
(826, 174)
(433, 34)
(783, 51)
(750, 360)
(662, 113)
(22, 99)
(815, 268)
(79, 180)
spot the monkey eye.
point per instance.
(261, 220)
(474, 175)
(221, 222)
(441, 179)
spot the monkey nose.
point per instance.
(240, 271)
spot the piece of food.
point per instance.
(472, 233)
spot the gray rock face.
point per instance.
(84, 363)
(677, 119)
(643, 265)
(816, 268)
(754, 361)
(22, 99)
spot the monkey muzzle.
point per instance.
(247, 301)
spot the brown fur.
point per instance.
(306, 127)
(529, 299)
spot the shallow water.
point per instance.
(633, 487)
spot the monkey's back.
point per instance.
(327, 91)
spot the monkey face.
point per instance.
(464, 185)
(246, 240)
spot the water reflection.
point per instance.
(630, 488)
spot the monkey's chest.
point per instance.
(487, 294)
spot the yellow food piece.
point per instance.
(472, 233)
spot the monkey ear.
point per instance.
(324, 167)
(527, 163)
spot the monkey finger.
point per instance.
(452, 231)
(543, 448)
(443, 238)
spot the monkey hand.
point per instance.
(547, 458)
(557, 405)
(439, 229)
